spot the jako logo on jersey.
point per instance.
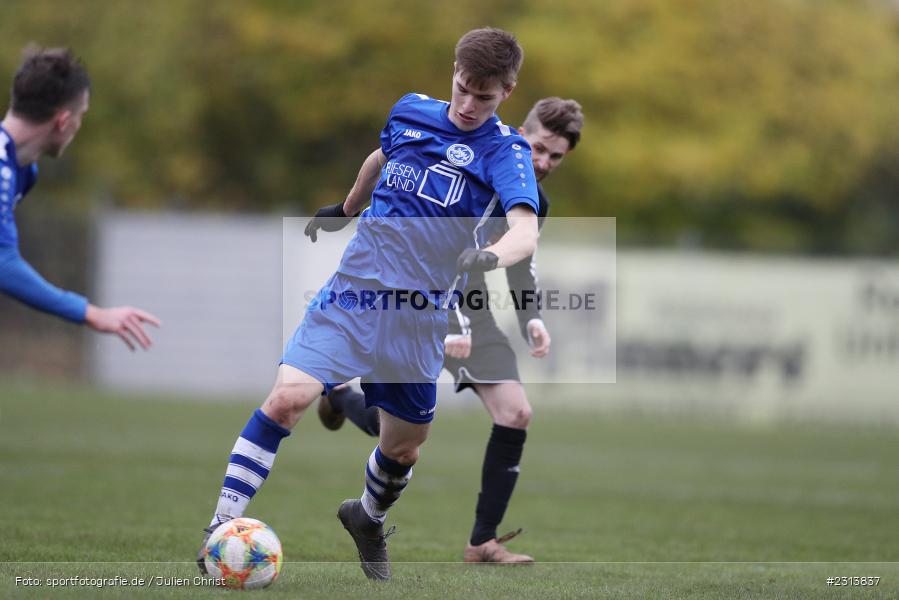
(459, 154)
(412, 133)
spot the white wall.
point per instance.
(756, 337)
(216, 284)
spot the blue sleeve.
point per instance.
(387, 137)
(387, 142)
(512, 174)
(19, 280)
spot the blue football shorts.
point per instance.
(358, 328)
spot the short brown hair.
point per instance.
(47, 80)
(489, 55)
(561, 117)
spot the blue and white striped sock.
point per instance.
(385, 480)
(251, 460)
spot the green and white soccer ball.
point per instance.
(244, 554)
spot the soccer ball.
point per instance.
(244, 553)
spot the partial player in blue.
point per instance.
(50, 95)
(442, 169)
(479, 355)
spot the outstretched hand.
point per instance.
(125, 321)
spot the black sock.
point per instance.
(498, 479)
(352, 404)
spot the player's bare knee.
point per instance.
(285, 403)
(405, 454)
(518, 417)
(515, 414)
(522, 417)
(408, 457)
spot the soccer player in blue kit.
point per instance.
(480, 356)
(441, 171)
(50, 95)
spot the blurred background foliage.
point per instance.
(768, 126)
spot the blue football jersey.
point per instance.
(17, 278)
(15, 181)
(438, 188)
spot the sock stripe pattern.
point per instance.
(372, 481)
(385, 480)
(240, 460)
(244, 475)
(250, 463)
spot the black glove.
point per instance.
(328, 218)
(473, 259)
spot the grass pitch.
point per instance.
(99, 485)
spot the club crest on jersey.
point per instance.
(459, 154)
